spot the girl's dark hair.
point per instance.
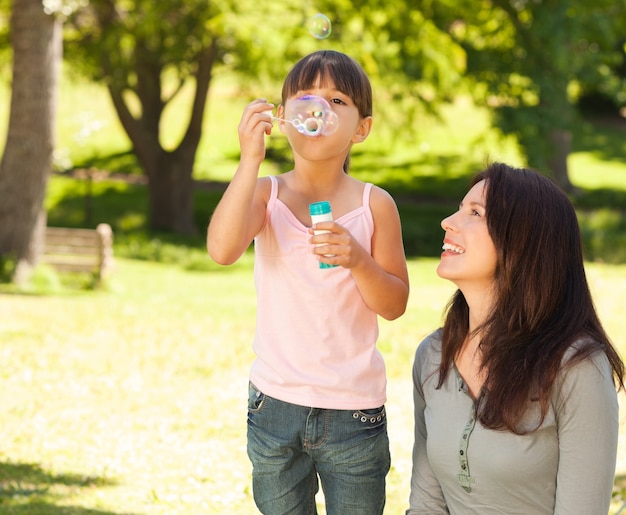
(345, 72)
(542, 300)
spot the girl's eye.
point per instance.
(336, 101)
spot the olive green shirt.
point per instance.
(566, 467)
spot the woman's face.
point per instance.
(469, 255)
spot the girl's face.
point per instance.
(469, 255)
(351, 128)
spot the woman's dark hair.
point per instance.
(542, 301)
(345, 72)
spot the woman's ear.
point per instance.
(363, 130)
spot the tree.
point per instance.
(145, 51)
(526, 60)
(36, 40)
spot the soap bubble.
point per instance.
(311, 115)
(320, 26)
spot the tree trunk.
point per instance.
(37, 44)
(171, 193)
(170, 174)
(561, 141)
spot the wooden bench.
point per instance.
(80, 250)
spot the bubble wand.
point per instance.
(310, 115)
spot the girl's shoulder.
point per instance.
(380, 192)
(381, 200)
(266, 188)
(266, 183)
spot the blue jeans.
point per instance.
(290, 446)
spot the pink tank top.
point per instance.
(315, 340)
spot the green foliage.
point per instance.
(7, 268)
(168, 35)
(604, 235)
(421, 227)
(423, 201)
(426, 179)
(260, 40)
(79, 203)
(45, 280)
(5, 44)
(187, 253)
(528, 60)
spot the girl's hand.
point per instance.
(256, 121)
(338, 243)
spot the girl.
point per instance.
(317, 385)
(515, 403)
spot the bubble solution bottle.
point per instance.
(321, 212)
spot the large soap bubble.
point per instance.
(320, 26)
(311, 115)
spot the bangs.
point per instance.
(331, 67)
(303, 79)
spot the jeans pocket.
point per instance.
(374, 417)
(256, 399)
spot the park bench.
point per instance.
(80, 250)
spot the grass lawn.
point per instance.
(132, 400)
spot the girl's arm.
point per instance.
(381, 277)
(241, 212)
(384, 280)
(588, 426)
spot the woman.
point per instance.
(515, 401)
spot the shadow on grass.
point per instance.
(122, 162)
(28, 489)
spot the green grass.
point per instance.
(132, 400)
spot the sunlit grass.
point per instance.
(606, 174)
(134, 387)
(132, 400)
